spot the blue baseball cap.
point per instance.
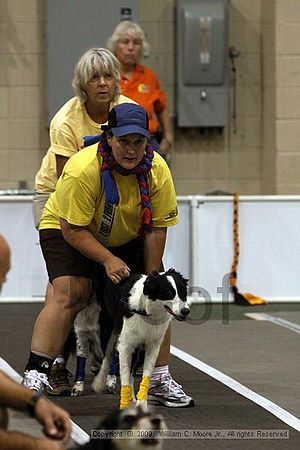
(128, 118)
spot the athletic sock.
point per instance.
(158, 372)
(40, 362)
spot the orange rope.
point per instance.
(236, 245)
(241, 299)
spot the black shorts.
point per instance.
(61, 258)
(64, 260)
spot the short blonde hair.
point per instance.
(121, 29)
(100, 60)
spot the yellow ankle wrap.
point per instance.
(144, 387)
(126, 396)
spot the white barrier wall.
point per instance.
(27, 278)
(269, 263)
(269, 246)
(201, 247)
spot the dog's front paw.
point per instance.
(77, 389)
(143, 404)
(111, 384)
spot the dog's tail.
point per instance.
(99, 382)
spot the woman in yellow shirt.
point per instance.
(110, 212)
(97, 87)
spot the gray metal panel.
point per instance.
(204, 27)
(213, 111)
(202, 88)
(74, 26)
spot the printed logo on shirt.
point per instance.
(172, 214)
(106, 222)
(144, 88)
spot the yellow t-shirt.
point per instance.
(79, 199)
(69, 125)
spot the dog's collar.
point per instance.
(141, 312)
(130, 312)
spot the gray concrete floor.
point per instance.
(260, 355)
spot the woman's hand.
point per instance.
(116, 268)
(56, 421)
(165, 146)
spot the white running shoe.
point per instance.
(36, 380)
(166, 391)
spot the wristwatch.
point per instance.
(32, 403)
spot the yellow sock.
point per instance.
(144, 387)
(126, 396)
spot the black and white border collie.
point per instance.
(142, 307)
(144, 427)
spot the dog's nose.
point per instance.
(185, 311)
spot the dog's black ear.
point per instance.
(181, 282)
(110, 422)
(151, 285)
(177, 274)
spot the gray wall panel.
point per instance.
(74, 26)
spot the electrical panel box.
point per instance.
(202, 63)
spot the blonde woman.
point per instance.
(97, 87)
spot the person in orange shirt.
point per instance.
(139, 83)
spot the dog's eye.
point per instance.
(169, 293)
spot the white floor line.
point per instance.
(78, 434)
(277, 320)
(271, 407)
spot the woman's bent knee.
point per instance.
(72, 292)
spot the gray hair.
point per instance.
(96, 59)
(121, 29)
